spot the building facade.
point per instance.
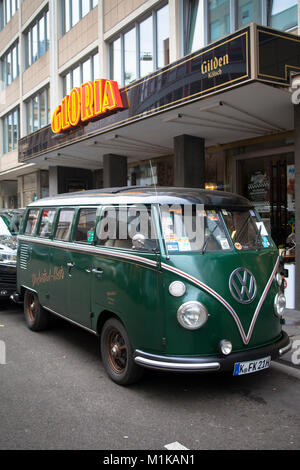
(211, 89)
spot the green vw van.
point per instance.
(172, 279)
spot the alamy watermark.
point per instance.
(296, 352)
(2, 352)
(138, 223)
(295, 95)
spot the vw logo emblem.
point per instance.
(242, 286)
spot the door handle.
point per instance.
(97, 271)
(70, 266)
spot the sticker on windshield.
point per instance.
(238, 246)
(224, 244)
(262, 228)
(265, 241)
(184, 244)
(172, 246)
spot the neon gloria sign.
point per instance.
(89, 101)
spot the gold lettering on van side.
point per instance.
(44, 276)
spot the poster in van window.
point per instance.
(258, 186)
(290, 169)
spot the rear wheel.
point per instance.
(36, 317)
(116, 352)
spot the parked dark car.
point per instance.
(9, 228)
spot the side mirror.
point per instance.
(138, 241)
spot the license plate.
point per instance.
(241, 368)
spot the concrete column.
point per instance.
(114, 171)
(297, 200)
(189, 161)
(53, 181)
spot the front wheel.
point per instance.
(36, 317)
(116, 352)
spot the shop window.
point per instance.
(37, 38)
(74, 10)
(141, 49)
(269, 182)
(37, 111)
(7, 10)
(87, 69)
(10, 65)
(10, 131)
(46, 223)
(86, 226)
(64, 224)
(31, 221)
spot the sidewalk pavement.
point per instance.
(292, 328)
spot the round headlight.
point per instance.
(279, 304)
(225, 347)
(177, 288)
(192, 315)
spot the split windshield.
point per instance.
(195, 229)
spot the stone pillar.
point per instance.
(53, 181)
(114, 171)
(297, 200)
(189, 161)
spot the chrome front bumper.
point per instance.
(211, 363)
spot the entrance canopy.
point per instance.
(234, 89)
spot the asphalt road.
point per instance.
(55, 395)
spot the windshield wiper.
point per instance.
(240, 231)
(207, 239)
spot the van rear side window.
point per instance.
(46, 223)
(86, 226)
(64, 224)
(31, 221)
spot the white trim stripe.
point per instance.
(103, 251)
(246, 338)
(88, 249)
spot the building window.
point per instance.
(10, 65)
(210, 20)
(7, 10)
(87, 69)
(218, 19)
(74, 10)
(248, 12)
(37, 111)
(37, 39)
(10, 131)
(141, 49)
(283, 15)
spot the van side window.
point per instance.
(31, 221)
(46, 223)
(64, 224)
(127, 229)
(86, 226)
